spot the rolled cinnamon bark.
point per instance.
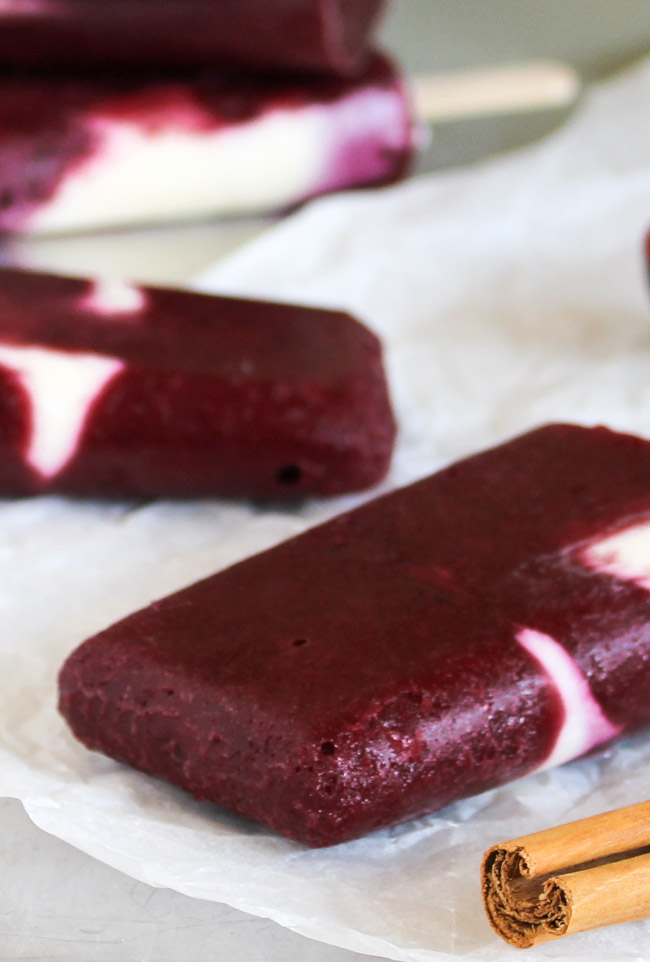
(570, 878)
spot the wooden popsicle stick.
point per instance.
(570, 878)
(518, 88)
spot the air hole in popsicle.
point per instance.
(288, 474)
(328, 748)
(299, 642)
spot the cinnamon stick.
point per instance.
(570, 878)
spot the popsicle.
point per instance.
(312, 35)
(476, 626)
(113, 390)
(78, 154)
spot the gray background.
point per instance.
(56, 903)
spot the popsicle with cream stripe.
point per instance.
(475, 627)
(83, 153)
(108, 389)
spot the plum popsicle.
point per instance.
(479, 625)
(309, 35)
(113, 390)
(79, 153)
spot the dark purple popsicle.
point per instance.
(436, 642)
(80, 153)
(305, 35)
(112, 390)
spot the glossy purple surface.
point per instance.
(309, 35)
(216, 395)
(368, 671)
(50, 127)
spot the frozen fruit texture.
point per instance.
(304, 35)
(80, 153)
(436, 642)
(112, 390)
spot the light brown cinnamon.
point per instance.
(571, 878)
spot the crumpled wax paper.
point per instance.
(507, 295)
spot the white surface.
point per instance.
(506, 296)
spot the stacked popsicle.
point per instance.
(114, 390)
(121, 113)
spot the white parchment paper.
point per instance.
(507, 295)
